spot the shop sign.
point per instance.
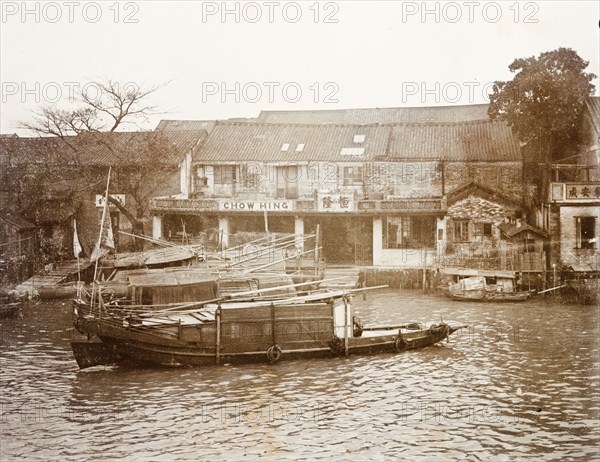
(256, 206)
(100, 199)
(335, 202)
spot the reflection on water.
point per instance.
(521, 383)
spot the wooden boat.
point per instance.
(475, 288)
(8, 310)
(10, 302)
(61, 290)
(208, 333)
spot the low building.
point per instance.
(17, 248)
(52, 181)
(376, 192)
(573, 203)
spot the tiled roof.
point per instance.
(103, 149)
(31, 150)
(185, 125)
(253, 141)
(475, 189)
(468, 141)
(431, 114)
(512, 229)
(132, 148)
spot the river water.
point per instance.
(520, 383)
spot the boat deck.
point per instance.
(53, 277)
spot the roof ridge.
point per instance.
(308, 125)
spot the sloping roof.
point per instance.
(250, 141)
(185, 125)
(31, 150)
(467, 141)
(103, 149)
(512, 229)
(131, 148)
(153, 257)
(593, 108)
(430, 114)
(475, 189)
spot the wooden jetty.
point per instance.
(52, 276)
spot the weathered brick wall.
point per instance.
(478, 211)
(504, 177)
(260, 179)
(579, 259)
(404, 179)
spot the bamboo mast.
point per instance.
(99, 243)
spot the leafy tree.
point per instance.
(544, 102)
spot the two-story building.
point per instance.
(573, 204)
(378, 192)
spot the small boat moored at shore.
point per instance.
(10, 302)
(8, 310)
(476, 288)
(61, 290)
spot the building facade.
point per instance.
(377, 193)
(573, 202)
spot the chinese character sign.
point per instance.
(335, 202)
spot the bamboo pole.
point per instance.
(151, 239)
(553, 288)
(288, 286)
(218, 339)
(279, 261)
(346, 314)
(260, 250)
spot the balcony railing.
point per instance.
(240, 204)
(404, 205)
(183, 205)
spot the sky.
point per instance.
(221, 60)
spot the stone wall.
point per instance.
(404, 179)
(477, 211)
(504, 177)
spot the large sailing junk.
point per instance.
(236, 329)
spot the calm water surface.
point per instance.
(521, 383)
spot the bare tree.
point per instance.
(90, 137)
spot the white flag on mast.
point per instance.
(76, 244)
(105, 240)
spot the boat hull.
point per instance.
(8, 310)
(166, 349)
(492, 297)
